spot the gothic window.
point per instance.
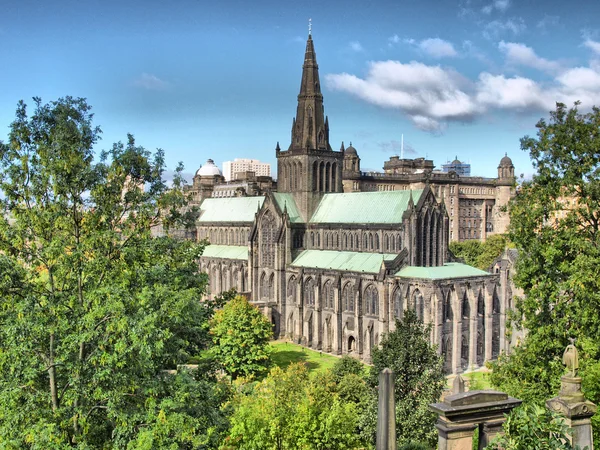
(312, 239)
(464, 349)
(398, 309)
(309, 292)
(326, 240)
(448, 308)
(267, 240)
(291, 289)
(480, 305)
(271, 287)
(371, 300)
(337, 241)
(495, 304)
(371, 241)
(348, 298)
(318, 239)
(356, 241)
(365, 242)
(328, 295)
(418, 304)
(263, 287)
(466, 310)
(377, 242)
(351, 243)
(398, 242)
(386, 243)
(345, 240)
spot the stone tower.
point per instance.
(505, 187)
(309, 167)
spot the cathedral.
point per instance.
(334, 269)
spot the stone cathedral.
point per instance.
(332, 269)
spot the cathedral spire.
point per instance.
(310, 130)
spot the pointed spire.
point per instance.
(277, 148)
(342, 148)
(311, 127)
(285, 207)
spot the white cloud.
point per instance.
(150, 82)
(495, 28)
(592, 45)
(356, 47)
(429, 95)
(395, 39)
(437, 48)
(433, 96)
(498, 5)
(522, 55)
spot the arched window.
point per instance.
(377, 242)
(318, 239)
(267, 240)
(448, 308)
(309, 292)
(398, 307)
(291, 289)
(480, 305)
(271, 287)
(345, 240)
(371, 243)
(386, 243)
(312, 239)
(328, 295)
(418, 304)
(371, 300)
(365, 242)
(263, 286)
(464, 349)
(466, 309)
(398, 242)
(348, 298)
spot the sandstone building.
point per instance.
(332, 267)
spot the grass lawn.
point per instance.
(475, 380)
(285, 353)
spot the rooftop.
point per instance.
(234, 209)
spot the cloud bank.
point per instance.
(433, 96)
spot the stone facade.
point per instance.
(476, 205)
(333, 269)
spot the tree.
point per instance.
(289, 410)
(555, 225)
(93, 307)
(480, 254)
(419, 379)
(531, 426)
(241, 334)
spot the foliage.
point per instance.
(532, 426)
(555, 225)
(94, 308)
(241, 334)
(480, 254)
(414, 446)
(347, 365)
(289, 409)
(419, 380)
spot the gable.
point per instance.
(365, 207)
(286, 202)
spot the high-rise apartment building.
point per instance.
(243, 165)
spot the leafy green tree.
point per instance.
(480, 254)
(289, 410)
(347, 365)
(532, 426)
(555, 225)
(241, 334)
(93, 307)
(419, 380)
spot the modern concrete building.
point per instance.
(239, 166)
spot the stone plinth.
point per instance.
(460, 414)
(577, 411)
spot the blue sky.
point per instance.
(219, 80)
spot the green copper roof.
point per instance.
(364, 207)
(349, 261)
(448, 270)
(234, 209)
(285, 200)
(226, 251)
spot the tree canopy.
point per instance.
(241, 335)
(94, 308)
(419, 379)
(555, 225)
